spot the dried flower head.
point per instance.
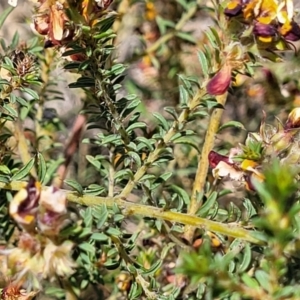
(52, 21)
(24, 206)
(58, 260)
(14, 292)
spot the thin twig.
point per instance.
(165, 38)
(70, 150)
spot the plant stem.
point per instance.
(131, 208)
(203, 164)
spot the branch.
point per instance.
(131, 208)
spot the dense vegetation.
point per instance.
(177, 174)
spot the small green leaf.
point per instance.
(15, 40)
(5, 14)
(30, 92)
(172, 112)
(87, 247)
(75, 185)
(83, 82)
(109, 33)
(113, 231)
(214, 38)
(249, 281)
(185, 140)
(95, 162)
(162, 121)
(98, 236)
(10, 110)
(203, 62)
(112, 264)
(264, 279)
(136, 125)
(208, 204)
(186, 36)
(123, 174)
(234, 124)
(153, 269)
(135, 157)
(51, 168)
(4, 170)
(146, 142)
(183, 95)
(246, 259)
(72, 65)
(4, 81)
(4, 179)
(182, 193)
(24, 171)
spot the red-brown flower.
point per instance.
(220, 83)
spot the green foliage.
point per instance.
(145, 217)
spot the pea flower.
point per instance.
(226, 167)
(24, 206)
(271, 20)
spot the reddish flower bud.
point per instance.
(219, 84)
(214, 158)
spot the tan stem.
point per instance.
(203, 164)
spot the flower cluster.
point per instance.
(246, 162)
(40, 253)
(270, 20)
(51, 19)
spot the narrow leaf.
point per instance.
(23, 172)
(75, 185)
